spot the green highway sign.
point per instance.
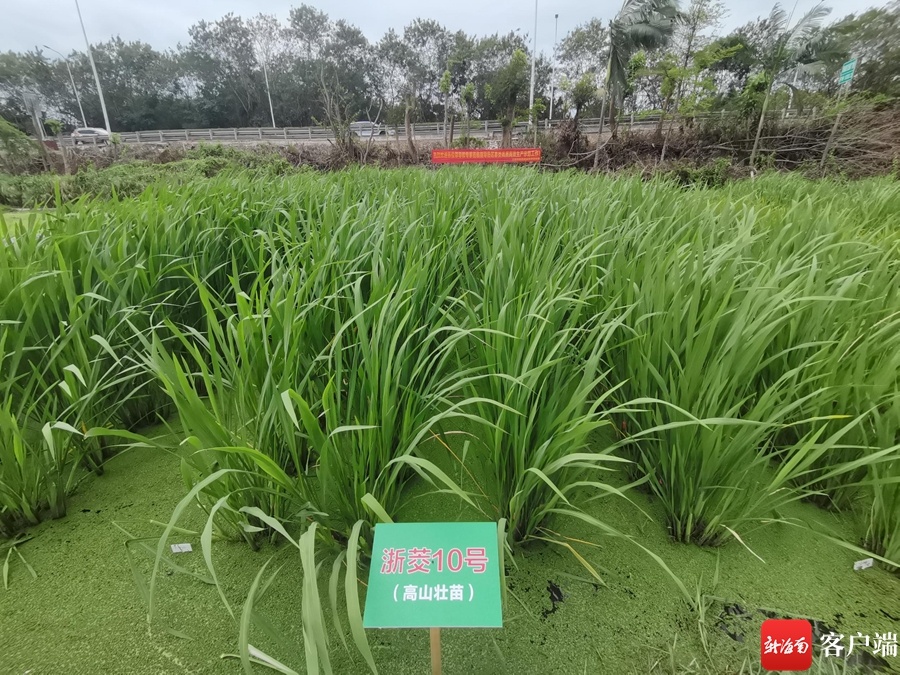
(434, 575)
(847, 71)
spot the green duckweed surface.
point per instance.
(84, 614)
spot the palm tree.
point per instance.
(787, 45)
(640, 24)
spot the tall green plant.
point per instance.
(639, 24)
(883, 531)
(786, 44)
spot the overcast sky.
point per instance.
(164, 23)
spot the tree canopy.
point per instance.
(217, 77)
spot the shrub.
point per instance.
(714, 174)
(17, 152)
(469, 142)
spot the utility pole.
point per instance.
(268, 93)
(553, 80)
(533, 59)
(72, 80)
(94, 68)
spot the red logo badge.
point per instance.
(786, 644)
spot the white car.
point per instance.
(366, 129)
(91, 135)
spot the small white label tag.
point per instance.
(181, 548)
(863, 564)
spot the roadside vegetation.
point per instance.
(263, 70)
(766, 95)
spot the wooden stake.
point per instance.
(39, 134)
(435, 651)
(829, 143)
(62, 150)
(834, 128)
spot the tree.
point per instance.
(143, 88)
(582, 50)
(399, 76)
(347, 55)
(871, 38)
(669, 75)
(583, 93)
(689, 38)
(459, 67)
(17, 77)
(416, 71)
(338, 113)
(700, 92)
(391, 59)
(17, 151)
(461, 61)
(468, 96)
(640, 24)
(733, 72)
(787, 45)
(507, 88)
(222, 58)
(648, 57)
(310, 29)
(681, 73)
(492, 55)
(429, 45)
(637, 64)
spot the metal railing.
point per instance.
(485, 129)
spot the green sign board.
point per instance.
(434, 575)
(847, 71)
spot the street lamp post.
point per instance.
(72, 80)
(533, 59)
(268, 93)
(553, 81)
(94, 68)
(264, 57)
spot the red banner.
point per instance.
(479, 156)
